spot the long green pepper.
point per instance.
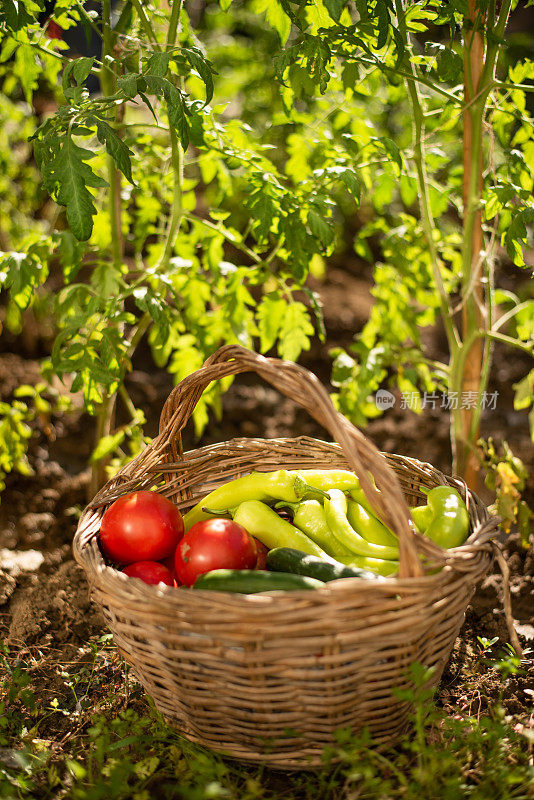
(266, 525)
(288, 485)
(336, 516)
(309, 516)
(367, 525)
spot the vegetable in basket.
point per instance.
(150, 572)
(247, 581)
(336, 516)
(214, 544)
(282, 484)
(310, 518)
(444, 518)
(287, 559)
(370, 527)
(264, 524)
(140, 526)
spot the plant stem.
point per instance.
(523, 87)
(469, 377)
(472, 375)
(510, 340)
(411, 75)
(172, 31)
(88, 18)
(422, 182)
(126, 399)
(177, 155)
(108, 83)
(106, 413)
(177, 212)
(142, 327)
(510, 314)
(238, 244)
(145, 22)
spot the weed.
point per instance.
(126, 751)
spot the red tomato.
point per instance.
(150, 572)
(214, 544)
(262, 554)
(169, 563)
(142, 526)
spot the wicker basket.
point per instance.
(269, 678)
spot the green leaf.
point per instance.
(27, 69)
(158, 64)
(73, 175)
(350, 75)
(295, 332)
(146, 300)
(276, 17)
(21, 273)
(352, 183)
(382, 20)
(449, 65)
(128, 84)
(270, 316)
(107, 445)
(334, 8)
(524, 392)
(524, 322)
(175, 105)
(107, 280)
(198, 62)
(15, 14)
(116, 148)
(82, 67)
(263, 209)
(317, 308)
(392, 149)
(320, 228)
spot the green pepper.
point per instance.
(422, 516)
(325, 479)
(336, 516)
(309, 517)
(282, 484)
(444, 519)
(266, 525)
(378, 565)
(368, 526)
(265, 486)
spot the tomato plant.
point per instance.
(141, 526)
(150, 572)
(189, 222)
(124, 169)
(214, 544)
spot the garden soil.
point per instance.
(46, 617)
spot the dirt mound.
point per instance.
(53, 609)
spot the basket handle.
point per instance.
(306, 390)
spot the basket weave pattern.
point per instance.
(270, 677)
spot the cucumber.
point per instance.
(249, 581)
(289, 560)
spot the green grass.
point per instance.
(99, 738)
